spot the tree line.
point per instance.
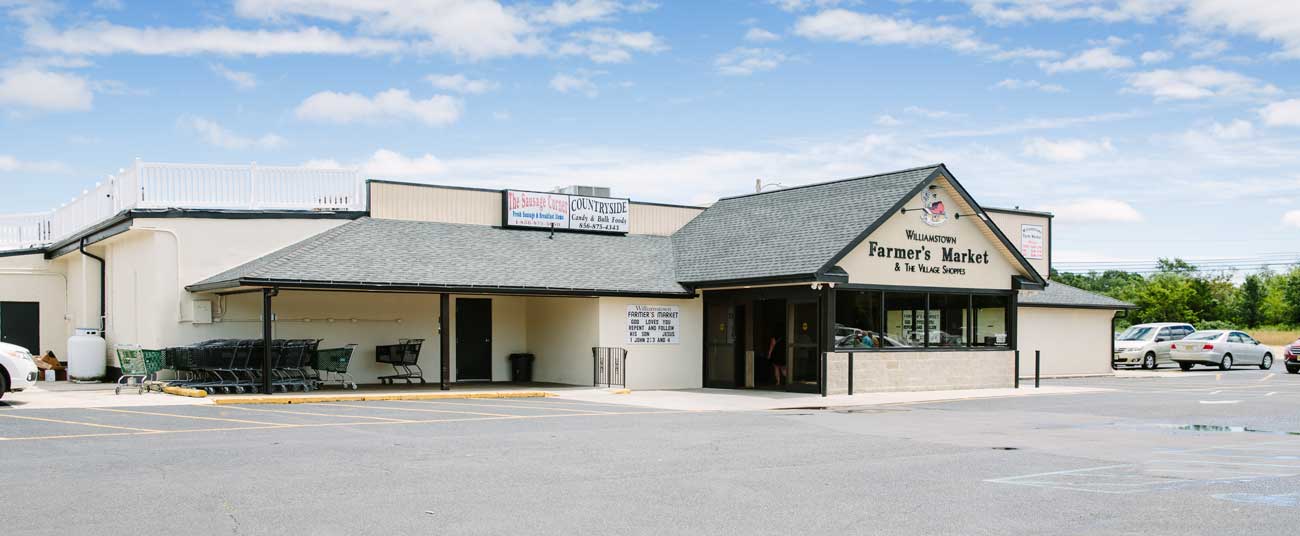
(1180, 292)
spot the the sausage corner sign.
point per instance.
(564, 212)
(929, 244)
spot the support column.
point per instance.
(267, 334)
(444, 341)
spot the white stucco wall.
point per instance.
(561, 333)
(658, 366)
(30, 278)
(1072, 341)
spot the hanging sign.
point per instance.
(564, 212)
(1031, 241)
(653, 324)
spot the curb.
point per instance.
(181, 391)
(375, 398)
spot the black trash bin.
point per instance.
(521, 367)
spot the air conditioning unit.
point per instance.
(588, 191)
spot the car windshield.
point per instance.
(1137, 333)
(1203, 336)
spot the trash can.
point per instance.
(521, 367)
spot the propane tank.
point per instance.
(86, 356)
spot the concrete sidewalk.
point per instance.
(58, 395)
(748, 400)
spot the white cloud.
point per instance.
(1156, 56)
(386, 163)
(217, 135)
(459, 83)
(1292, 218)
(111, 5)
(1035, 123)
(1236, 130)
(1025, 54)
(102, 38)
(932, 114)
(746, 61)
(607, 45)
(1067, 150)
(1283, 113)
(888, 121)
(1016, 83)
(1200, 46)
(1197, 82)
(1020, 11)
(759, 35)
(563, 13)
(801, 5)
(1268, 20)
(389, 105)
(1095, 210)
(1092, 59)
(575, 83)
(27, 87)
(241, 79)
(473, 29)
(853, 27)
(10, 163)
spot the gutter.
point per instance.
(103, 270)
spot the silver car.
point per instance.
(1147, 345)
(1222, 348)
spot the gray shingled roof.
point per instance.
(1063, 295)
(789, 232)
(427, 254)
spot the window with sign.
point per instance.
(882, 320)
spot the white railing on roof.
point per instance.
(151, 185)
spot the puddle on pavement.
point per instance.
(1222, 429)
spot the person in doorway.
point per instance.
(776, 355)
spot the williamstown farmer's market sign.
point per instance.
(933, 253)
(652, 324)
(564, 212)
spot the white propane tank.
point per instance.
(86, 351)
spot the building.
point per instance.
(897, 281)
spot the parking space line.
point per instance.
(510, 405)
(393, 408)
(96, 425)
(76, 436)
(180, 416)
(287, 412)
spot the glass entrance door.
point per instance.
(805, 365)
(721, 345)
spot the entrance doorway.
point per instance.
(473, 339)
(20, 324)
(804, 354)
(771, 345)
(763, 338)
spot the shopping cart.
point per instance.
(403, 356)
(134, 369)
(334, 361)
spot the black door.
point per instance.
(473, 339)
(20, 324)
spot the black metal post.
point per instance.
(1017, 369)
(267, 334)
(823, 373)
(1037, 365)
(851, 372)
(444, 342)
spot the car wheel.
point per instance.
(1185, 366)
(1267, 362)
(1149, 361)
(4, 385)
(1226, 362)
(1293, 370)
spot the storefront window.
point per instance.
(857, 320)
(948, 312)
(992, 321)
(905, 319)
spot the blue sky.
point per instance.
(1151, 128)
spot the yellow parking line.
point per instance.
(368, 406)
(503, 405)
(61, 421)
(179, 416)
(242, 408)
(76, 436)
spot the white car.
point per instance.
(17, 368)
(1147, 345)
(1221, 348)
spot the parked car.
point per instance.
(1222, 348)
(1147, 345)
(17, 368)
(1293, 357)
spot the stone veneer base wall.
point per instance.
(919, 371)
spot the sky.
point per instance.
(1151, 128)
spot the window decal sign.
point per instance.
(654, 324)
(564, 212)
(1031, 241)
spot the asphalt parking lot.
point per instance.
(1198, 453)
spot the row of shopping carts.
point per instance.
(237, 365)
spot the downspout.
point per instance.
(103, 287)
(1122, 313)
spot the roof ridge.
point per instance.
(834, 181)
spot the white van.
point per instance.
(1147, 345)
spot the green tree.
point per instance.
(1291, 297)
(1250, 301)
(1166, 297)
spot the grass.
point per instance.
(1275, 337)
